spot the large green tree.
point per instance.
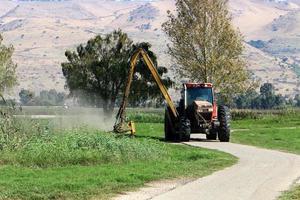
(97, 71)
(7, 67)
(205, 45)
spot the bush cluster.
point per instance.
(14, 132)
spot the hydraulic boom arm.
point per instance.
(120, 124)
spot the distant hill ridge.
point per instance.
(41, 30)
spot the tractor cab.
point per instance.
(198, 92)
(199, 105)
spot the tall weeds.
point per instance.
(36, 143)
(15, 132)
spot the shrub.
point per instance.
(14, 132)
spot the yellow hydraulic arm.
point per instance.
(120, 125)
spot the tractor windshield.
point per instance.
(199, 94)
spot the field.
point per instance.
(39, 160)
(50, 160)
(278, 132)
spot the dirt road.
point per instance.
(259, 175)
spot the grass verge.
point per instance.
(293, 194)
(284, 139)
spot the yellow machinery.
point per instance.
(121, 126)
(197, 111)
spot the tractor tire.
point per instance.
(170, 133)
(224, 119)
(212, 135)
(185, 130)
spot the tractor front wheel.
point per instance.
(224, 119)
(185, 130)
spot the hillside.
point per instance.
(42, 30)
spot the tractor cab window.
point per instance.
(199, 94)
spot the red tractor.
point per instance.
(197, 113)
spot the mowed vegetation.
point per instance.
(278, 131)
(39, 161)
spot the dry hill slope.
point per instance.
(42, 31)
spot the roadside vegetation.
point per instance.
(39, 161)
(293, 194)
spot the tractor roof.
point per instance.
(198, 85)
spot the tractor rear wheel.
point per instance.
(170, 133)
(224, 119)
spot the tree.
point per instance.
(98, 71)
(26, 96)
(149, 90)
(45, 98)
(206, 47)
(247, 100)
(297, 100)
(50, 98)
(268, 97)
(7, 67)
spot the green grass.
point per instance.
(288, 119)
(81, 147)
(278, 132)
(293, 194)
(83, 182)
(85, 163)
(287, 140)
